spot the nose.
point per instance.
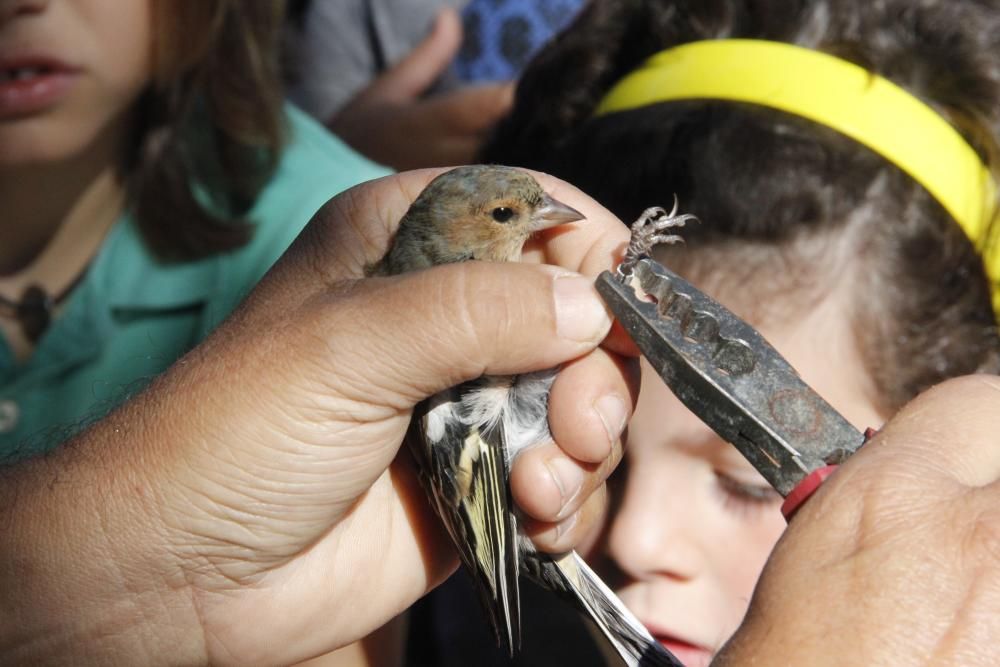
(10, 9)
(655, 532)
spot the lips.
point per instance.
(691, 655)
(32, 84)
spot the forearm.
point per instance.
(86, 571)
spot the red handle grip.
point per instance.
(804, 489)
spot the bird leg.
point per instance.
(647, 232)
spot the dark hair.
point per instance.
(810, 208)
(210, 129)
(297, 10)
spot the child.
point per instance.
(863, 261)
(150, 174)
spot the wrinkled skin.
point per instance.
(235, 511)
(896, 559)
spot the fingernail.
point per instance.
(568, 478)
(580, 313)
(613, 413)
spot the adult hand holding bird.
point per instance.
(348, 359)
(256, 484)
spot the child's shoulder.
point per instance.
(311, 144)
(314, 166)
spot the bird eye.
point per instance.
(503, 214)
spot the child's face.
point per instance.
(69, 72)
(696, 521)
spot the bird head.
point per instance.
(486, 212)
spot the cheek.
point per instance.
(742, 566)
(128, 66)
(119, 52)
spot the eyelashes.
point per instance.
(744, 498)
(740, 498)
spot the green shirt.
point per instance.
(131, 316)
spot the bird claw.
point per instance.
(647, 232)
(665, 238)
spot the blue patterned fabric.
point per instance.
(502, 35)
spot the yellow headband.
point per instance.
(835, 93)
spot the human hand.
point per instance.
(896, 559)
(392, 122)
(250, 506)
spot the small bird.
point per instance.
(465, 439)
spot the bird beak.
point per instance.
(553, 212)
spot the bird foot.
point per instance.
(647, 231)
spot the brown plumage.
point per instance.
(483, 212)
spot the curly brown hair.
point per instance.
(210, 128)
(799, 208)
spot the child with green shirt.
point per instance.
(150, 173)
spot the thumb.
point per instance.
(325, 385)
(418, 334)
(355, 363)
(415, 73)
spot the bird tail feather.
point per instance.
(570, 576)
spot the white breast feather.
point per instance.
(485, 405)
(517, 403)
(441, 411)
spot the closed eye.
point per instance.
(745, 498)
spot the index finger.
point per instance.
(592, 245)
(354, 228)
(588, 246)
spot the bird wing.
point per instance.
(465, 467)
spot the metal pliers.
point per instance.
(724, 371)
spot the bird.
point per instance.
(465, 439)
